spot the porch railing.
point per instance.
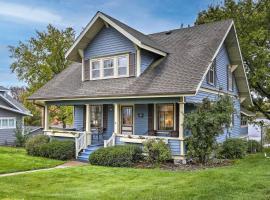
(110, 142)
(81, 143)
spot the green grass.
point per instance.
(246, 179)
(15, 159)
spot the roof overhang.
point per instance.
(15, 110)
(92, 28)
(247, 112)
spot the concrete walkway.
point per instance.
(65, 165)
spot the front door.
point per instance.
(127, 120)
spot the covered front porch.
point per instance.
(105, 122)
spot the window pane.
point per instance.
(96, 116)
(95, 65)
(122, 61)
(11, 122)
(165, 116)
(4, 122)
(127, 116)
(108, 67)
(108, 72)
(108, 63)
(95, 73)
(122, 71)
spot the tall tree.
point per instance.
(39, 59)
(252, 21)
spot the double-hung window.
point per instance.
(211, 73)
(109, 67)
(7, 122)
(230, 78)
(165, 115)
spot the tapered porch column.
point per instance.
(181, 123)
(88, 125)
(46, 118)
(116, 118)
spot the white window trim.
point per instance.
(212, 68)
(115, 67)
(8, 127)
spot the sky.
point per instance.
(19, 19)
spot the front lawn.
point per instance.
(246, 179)
(15, 159)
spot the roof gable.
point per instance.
(97, 23)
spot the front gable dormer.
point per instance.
(108, 48)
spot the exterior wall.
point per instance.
(141, 123)
(222, 62)
(244, 130)
(108, 42)
(110, 123)
(7, 136)
(78, 121)
(147, 58)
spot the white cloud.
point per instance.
(28, 13)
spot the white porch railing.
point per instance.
(110, 142)
(81, 143)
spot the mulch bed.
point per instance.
(184, 167)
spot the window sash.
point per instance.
(230, 79)
(7, 123)
(111, 70)
(96, 116)
(165, 117)
(211, 74)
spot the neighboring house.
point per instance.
(11, 117)
(127, 86)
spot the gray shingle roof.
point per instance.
(190, 51)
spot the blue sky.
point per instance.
(20, 18)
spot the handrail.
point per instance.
(80, 143)
(110, 142)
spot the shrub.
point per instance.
(157, 151)
(117, 156)
(61, 150)
(206, 123)
(33, 144)
(253, 146)
(20, 137)
(233, 148)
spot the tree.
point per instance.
(17, 92)
(206, 123)
(38, 60)
(252, 21)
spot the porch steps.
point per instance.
(84, 155)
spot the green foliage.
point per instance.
(252, 19)
(38, 60)
(117, 156)
(20, 137)
(62, 113)
(206, 123)
(157, 151)
(254, 146)
(267, 135)
(33, 144)
(60, 150)
(233, 148)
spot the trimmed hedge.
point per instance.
(60, 150)
(116, 156)
(40, 145)
(233, 148)
(157, 151)
(33, 144)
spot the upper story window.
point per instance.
(109, 67)
(243, 120)
(230, 78)
(7, 123)
(211, 74)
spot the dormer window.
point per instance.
(109, 67)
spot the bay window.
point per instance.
(7, 123)
(109, 67)
(165, 116)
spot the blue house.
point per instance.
(127, 87)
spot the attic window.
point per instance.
(230, 78)
(109, 67)
(211, 74)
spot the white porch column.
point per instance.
(46, 118)
(181, 125)
(88, 124)
(116, 118)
